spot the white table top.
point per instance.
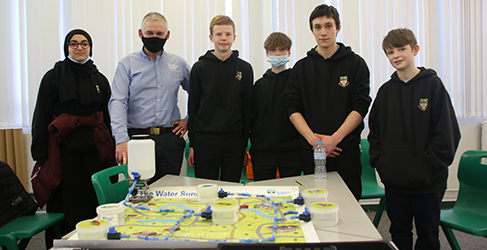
(353, 225)
(353, 222)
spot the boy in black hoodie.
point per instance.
(219, 107)
(274, 140)
(413, 138)
(327, 99)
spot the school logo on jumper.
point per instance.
(423, 104)
(238, 75)
(97, 89)
(343, 81)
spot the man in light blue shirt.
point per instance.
(145, 98)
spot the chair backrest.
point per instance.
(108, 191)
(368, 172)
(189, 170)
(472, 175)
(186, 149)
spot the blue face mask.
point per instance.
(278, 61)
(79, 62)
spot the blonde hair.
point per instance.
(277, 40)
(399, 38)
(221, 20)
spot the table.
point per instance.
(353, 222)
(354, 225)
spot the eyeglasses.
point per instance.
(74, 44)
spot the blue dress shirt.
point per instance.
(145, 92)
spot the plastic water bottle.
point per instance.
(141, 156)
(320, 161)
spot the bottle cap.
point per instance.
(319, 143)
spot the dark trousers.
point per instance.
(265, 164)
(424, 209)
(169, 154)
(347, 164)
(219, 157)
(75, 195)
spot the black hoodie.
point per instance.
(414, 134)
(325, 91)
(220, 98)
(271, 128)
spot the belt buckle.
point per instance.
(155, 131)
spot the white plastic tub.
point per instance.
(225, 212)
(114, 213)
(313, 195)
(324, 214)
(92, 229)
(207, 193)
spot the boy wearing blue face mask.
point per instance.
(274, 140)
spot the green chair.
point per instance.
(469, 214)
(370, 187)
(108, 191)
(25, 227)
(189, 170)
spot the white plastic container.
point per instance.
(324, 214)
(92, 229)
(312, 195)
(114, 213)
(207, 193)
(141, 156)
(225, 212)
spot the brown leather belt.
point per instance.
(155, 130)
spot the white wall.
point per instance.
(471, 130)
(451, 34)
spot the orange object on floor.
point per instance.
(250, 173)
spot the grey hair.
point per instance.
(153, 16)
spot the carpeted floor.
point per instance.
(466, 241)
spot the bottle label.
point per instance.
(319, 156)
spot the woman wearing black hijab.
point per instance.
(71, 139)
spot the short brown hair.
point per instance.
(399, 38)
(277, 40)
(324, 10)
(221, 20)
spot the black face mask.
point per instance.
(153, 44)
